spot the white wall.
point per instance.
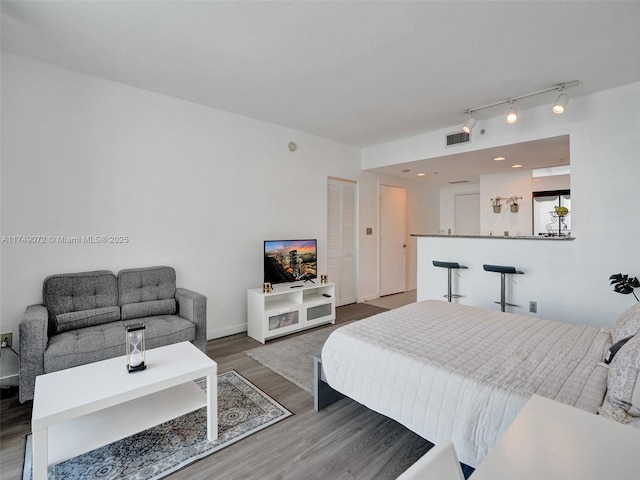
(505, 185)
(553, 182)
(422, 216)
(448, 206)
(548, 271)
(518, 183)
(424, 206)
(368, 245)
(200, 189)
(191, 187)
(604, 142)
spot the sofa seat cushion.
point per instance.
(100, 342)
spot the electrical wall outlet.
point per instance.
(6, 337)
(533, 307)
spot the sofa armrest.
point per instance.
(33, 342)
(193, 307)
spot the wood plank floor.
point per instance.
(344, 441)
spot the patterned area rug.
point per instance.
(243, 409)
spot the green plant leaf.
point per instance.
(623, 289)
(624, 284)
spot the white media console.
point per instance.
(289, 309)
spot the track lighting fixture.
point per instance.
(469, 124)
(512, 116)
(561, 103)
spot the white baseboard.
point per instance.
(368, 298)
(225, 332)
(374, 296)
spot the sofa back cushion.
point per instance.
(86, 318)
(76, 300)
(146, 292)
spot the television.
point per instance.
(290, 260)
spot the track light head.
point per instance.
(469, 124)
(561, 104)
(512, 115)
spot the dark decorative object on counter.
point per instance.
(625, 284)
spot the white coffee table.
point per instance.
(82, 408)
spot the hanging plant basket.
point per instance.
(515, 207)
(497, 208)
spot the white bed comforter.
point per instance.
(460, 373)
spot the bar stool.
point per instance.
(449, 266)
(503, 271)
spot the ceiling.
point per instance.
(467, 167)
(360, 73)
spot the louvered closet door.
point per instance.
(341, 238)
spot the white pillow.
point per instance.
(623, 382)
(627, 325)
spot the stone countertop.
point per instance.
(493, 237)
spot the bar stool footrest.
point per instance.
(508, 304)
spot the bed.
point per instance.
(462, 373)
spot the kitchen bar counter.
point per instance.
(494, 237)
(551, 286)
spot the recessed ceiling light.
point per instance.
(498, 159)
(517, 165)
(421, 174)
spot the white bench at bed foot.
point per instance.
(441, 463)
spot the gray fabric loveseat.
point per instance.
(82, 319)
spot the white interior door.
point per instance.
(341, 238)
(393, 240)
(467, 214)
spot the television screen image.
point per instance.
(290, 260)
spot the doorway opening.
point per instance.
(393, 240)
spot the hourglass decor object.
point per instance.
(135, 347)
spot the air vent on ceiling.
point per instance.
(457, 138)
(458, 181)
